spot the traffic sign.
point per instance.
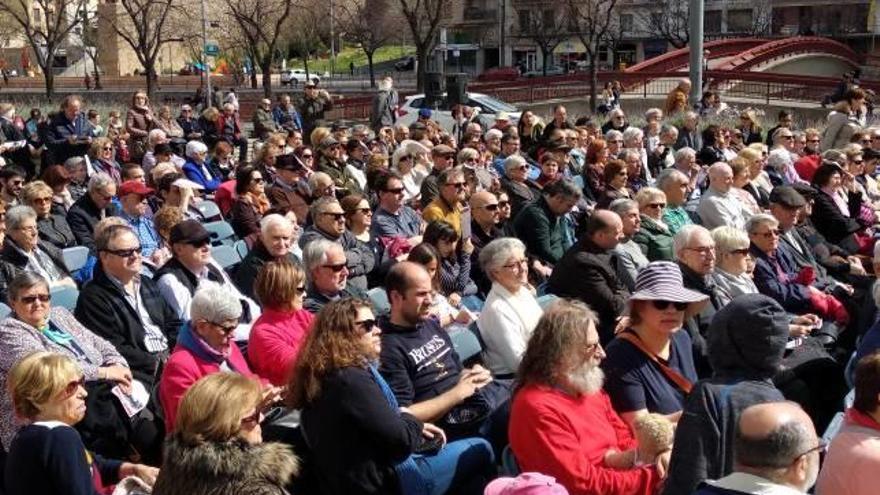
(212, 49)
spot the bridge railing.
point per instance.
(788, 47)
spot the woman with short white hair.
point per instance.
(198, 169)
(732, 275)
(511, 311)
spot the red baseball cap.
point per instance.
(134, 187)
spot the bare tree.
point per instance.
(762, 18)
(309, 31)
(423, 18)
(667, 19)
(547, 29)
(143, 24)
(45, 25)
(261, 24)
(367, 23)
(592, 22)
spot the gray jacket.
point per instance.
(384, 109)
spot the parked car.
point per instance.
(487, 106)
(553, 70)
(295, 77)
(405, 64)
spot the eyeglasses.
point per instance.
(200, 244)
(742, 252)
(858, 162)
(398, 190)
(27, 228)
(74, 385)
(516, 264)
(504, 204)
(257, 180)
(592, 347)
(124, 253)
(226, 329)
(47, 199)
(336, 268)
(663, 305)
(366, 325)
(336, 216)
(787, 137)
(43, 298)
(300, 290)
(768, 234)
(405, 158)
(491, 207)
(107, 148)
(703, 250)
(457, 185)
(657, 205)
(821, 448)
(365, 211)
(307, 156)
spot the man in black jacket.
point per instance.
(69, 131)
(588, 272)
(275, 241)
(90, 209)
(126, 309)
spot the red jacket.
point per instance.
(275, 341)
(566, 437)
(184, 369)
(221, 125)
(806, 166)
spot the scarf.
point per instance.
(56, 334)
(838, 200)
(856, 417)
(408, 474)
(191, 341)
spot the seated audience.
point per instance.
(515, 183)
(394, 220)
(250, 204)
(757, 327)
(485, 216)
(198, 169)
(561, 421)
(615, 177)
(95, 205)
(835, 208)
(24, 251)
(369, 443)
(34, 326)
(290, 191)
(448, 204)
(540, 225)
(133, 196)
(850, 467)
(446, 314)
(205, 345)
(327, 273)
(777, 451)
(588, 272)
(650, 365)
(511, 311)
(126, 308)
(718, 205)
(276, 242)
(630, 258)
(47, 455)
(455, 265)
(732, 274)
(52, 225)
(653, 236)
(279, 333)
(217, 446)
(674, 185)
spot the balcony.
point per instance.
(476, 15)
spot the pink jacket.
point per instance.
(275, 341)
(184, 369)
(853, 459)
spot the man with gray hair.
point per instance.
(276, 241)
(718, 206)
(630, 258)
(385, 105)
(327, 275)
(675, 185)
(695, 253)
(94, 206)
(688, 135)
(776, 452)
(264, 122)
(662, 156)
(685, 161)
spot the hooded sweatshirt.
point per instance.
(746, 342)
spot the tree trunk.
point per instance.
(545, 54)
(50, 82)
(594, 82)
(306, 65)
(422, 61)
(151, 80)
(370, 66)
(267, 77)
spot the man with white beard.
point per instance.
(561, 421)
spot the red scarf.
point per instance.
(856, 417)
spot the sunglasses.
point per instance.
(768, 234)
(365, 211)
(107, 148)
(366, 325)
(663, 305)
(226, 329)
(457, 185)
(124, 253)
(73, 386)
(492, 207)
(43, 298)
(657, 205)
(253, 419)
(200, 244)
(43, 200)
(257, 180)
(398, 190)
(336, 268)
(503, 204)
(305, 157)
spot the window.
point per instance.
(549, 19)
(712, 21)
(626, 23)
(524, 20)
(739, 21)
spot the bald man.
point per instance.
(484, 229)
(777, 452)
(588, 271)
(719, 206)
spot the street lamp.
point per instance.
(205, 69)
(696, 50)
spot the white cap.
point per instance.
(181, 182)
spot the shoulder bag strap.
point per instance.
(677, 378)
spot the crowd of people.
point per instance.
(676, 308)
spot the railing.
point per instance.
(677, 59)
(787, 47)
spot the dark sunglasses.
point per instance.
(657, 205)
(366, 325)
(492, 207)
(227, 330)
(365, 211)
(200, 244)
(74, 385)
(307, 156)
(257, 180)
(336, 268)
(503, 204)
(457, 185)
(398, 190)
(662, 305)
(44, 298)
(124, 253)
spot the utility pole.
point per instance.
(205, 68)
(501, 24)
(332, 43)
(696, 50)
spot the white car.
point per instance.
(297, 76)
(488, 107)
